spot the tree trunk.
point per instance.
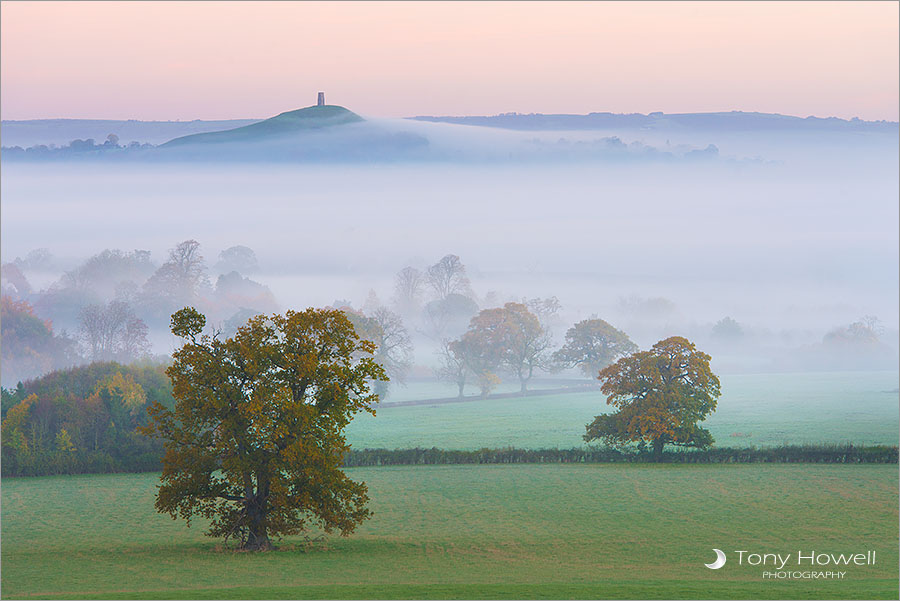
(461, 386)
(258, 536)
(257, 508)
(657, 449)
(257, 540)
(524, 386)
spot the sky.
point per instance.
(220, 60)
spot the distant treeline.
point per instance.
(134, 460)
(783, 454)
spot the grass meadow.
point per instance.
(755, 410)
(509, 531)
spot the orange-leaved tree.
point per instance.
(255, 442)
(661, 395)
(510, 338)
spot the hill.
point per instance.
(309, 118)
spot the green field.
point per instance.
(511, 531)
(754, 410)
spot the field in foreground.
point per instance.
(506, 531)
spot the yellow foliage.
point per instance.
(124, 389)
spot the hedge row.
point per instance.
(92, 462)
(783, 454)
(46, 464)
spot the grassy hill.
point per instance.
(309, 118)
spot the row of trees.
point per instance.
(512, 339)
(77, 147)
(106, 308)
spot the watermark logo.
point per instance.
(799, 565)
(719, 562)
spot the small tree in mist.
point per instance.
(593, 344)
(181, 279)
(448, 317)
(408, 286)
(454, 364)
(448, 276)
(545, 309)
(237, 258)
(727, 329)
(394, 349)
(393, 346)
(113, 332)
(660, 397)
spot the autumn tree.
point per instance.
(660, 395)
(511, 338)
(856, 346)
(593, 344)
(13, 282)
(124, 401)
(28, 345)
(255, 442)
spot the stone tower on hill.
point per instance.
(321, 100)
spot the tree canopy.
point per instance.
(660, 396)
(511, 338)
(255, 441)
(593, 344)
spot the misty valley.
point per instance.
(490, 291)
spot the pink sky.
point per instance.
(209, 60)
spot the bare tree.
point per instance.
(454, 364)
(181, 278)
(134, 342)
(188, 261)
(113, 332)
(408, 289)
(395, 350)
(873, 324)
(448, 276)
(545, 309)
(372, 303)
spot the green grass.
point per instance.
(512, 531)
(754, 410)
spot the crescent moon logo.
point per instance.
(719, 562)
